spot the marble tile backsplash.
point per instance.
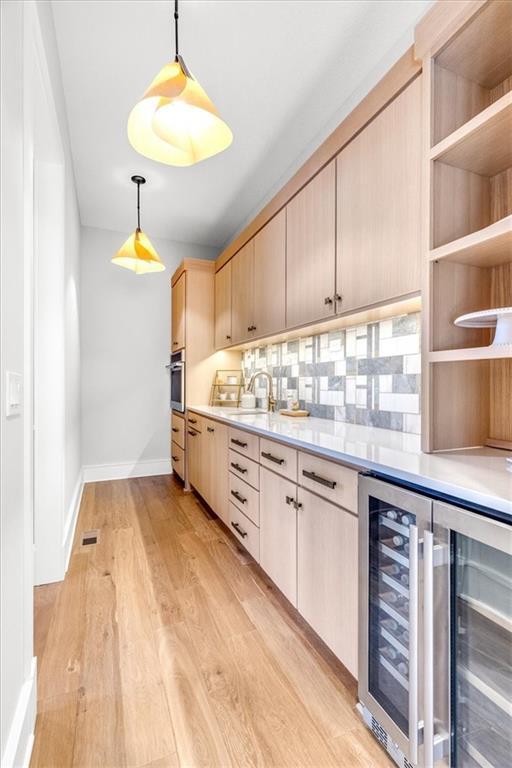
(369, 374)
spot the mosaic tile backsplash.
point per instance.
(369, 374)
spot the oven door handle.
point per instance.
(413, 643)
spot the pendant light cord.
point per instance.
(138, 205)
(176, 29)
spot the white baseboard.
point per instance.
(93, 473)
(20, 739)
(70, 525)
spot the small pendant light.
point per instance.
(175, 122)
(137, 253)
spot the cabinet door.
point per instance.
(311, 250)
(195, 457)
(223, 307)
(242, 291)
(270, 277)
(178, 314)
(278, 532)
(327, 574)
(218, 469)
(379, 187)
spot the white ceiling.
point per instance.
(279, 72)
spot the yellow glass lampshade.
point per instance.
(175, 122)
(138, 254)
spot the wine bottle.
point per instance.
(391, 570)
(406, 520)
(392, 514)
(390, 624)
(403, 668)
(404, 578)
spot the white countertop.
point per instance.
(478, 475)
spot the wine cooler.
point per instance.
(435, 629)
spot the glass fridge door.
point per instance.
(389, 607)
(481, 654)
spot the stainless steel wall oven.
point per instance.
(177, 381)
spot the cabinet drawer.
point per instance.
(178, 430)
(245, 469)
(332, 481)
(244, 443)
(245, 498)
(245, 532)
(194, 421)
(280, 458)
(178, 460)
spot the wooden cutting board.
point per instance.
(286, 412)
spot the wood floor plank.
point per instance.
(359, 749)
(283, 727)
(198, 738)
(327, 701)
(45, 599)
(55, 732)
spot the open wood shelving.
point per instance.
(467, 383)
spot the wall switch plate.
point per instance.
(13, 393)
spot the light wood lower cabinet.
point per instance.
(278, 532)
(208, 465)
(327, 575)
(178, 460)
(195, 460)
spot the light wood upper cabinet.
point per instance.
(278, 532)
(242, 293)
(327, 568)
(379, 194)
(223, 307)
(178, 314)
(311, 250)
(270, 277)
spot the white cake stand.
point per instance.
(500, 318)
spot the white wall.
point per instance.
(125, 326)
(19, 140)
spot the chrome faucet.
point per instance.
(271, 403)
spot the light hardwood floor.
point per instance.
(167, 646)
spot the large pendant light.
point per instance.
(137, 253)
(175, 122)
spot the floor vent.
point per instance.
(89, 537)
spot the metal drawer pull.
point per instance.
(192, 421)
(322, 480)
(290, 500)
(272, 458)
(239, 497)
(175, 429)
(238, 467)
(239, 530)
(210, 429)
(175, 458)
(327, 300)
(192, 434)
(238, 442)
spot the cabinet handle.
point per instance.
(322, 480)
(175, 458)
(239, 497)
(175, 429)
(327, 300)
(298, 505)
(192, 434)
(210, 429)
(289, 499)
(238, 442)
(175, 343)
(228, 337)
(238, 468)
(192, 421)
(272, 458)
(338, 297)
(251, 328)
(239, 530)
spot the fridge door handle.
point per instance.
(428, 647)
(413, 643)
